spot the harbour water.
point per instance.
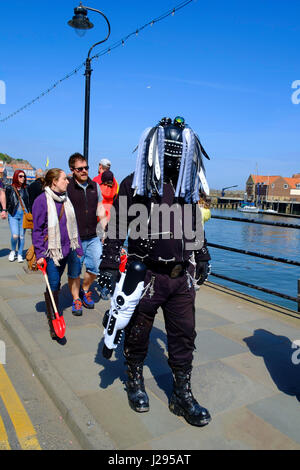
(275, 241)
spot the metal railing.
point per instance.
(259, 255)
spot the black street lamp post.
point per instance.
(81, 22)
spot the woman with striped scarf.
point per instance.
(56, 239)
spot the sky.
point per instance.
(226, 67)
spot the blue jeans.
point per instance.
(17, 231)
(92, 251)
(55, 272)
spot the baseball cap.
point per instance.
(105, 162)
(107, 176)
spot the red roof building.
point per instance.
(265, 188)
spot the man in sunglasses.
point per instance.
(86, 198)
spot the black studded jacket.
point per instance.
(157, 246)
(12, 200)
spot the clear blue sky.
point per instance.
(227, 67)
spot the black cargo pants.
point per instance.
(176, 297)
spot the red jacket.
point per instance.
(108, 195)
(98, 179)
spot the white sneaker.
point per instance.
(20, 259)
(12, 256)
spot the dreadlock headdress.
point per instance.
(149, 172)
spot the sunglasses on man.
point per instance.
(81, 168)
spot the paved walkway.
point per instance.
(243, 370)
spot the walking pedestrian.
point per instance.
(169, 171)
(56, 239)
(3, 201)
(36, 187)
(109, 190)
(104, 165)
(17, 203)
(86, 198)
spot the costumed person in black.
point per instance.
(169, 171)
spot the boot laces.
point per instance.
(184, 383)
(135, 374)
(88, 296)
(188, 390)
(77, 304)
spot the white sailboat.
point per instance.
(270, 210)
(248, 207)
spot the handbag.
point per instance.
(31, 259)
(27, 217)
(30, 253)
(28, 220)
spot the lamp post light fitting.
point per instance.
(81, 23)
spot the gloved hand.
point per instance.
(203, 269)
(108, 278)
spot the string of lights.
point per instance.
(119, 43)
(122, 41)
(43, 94)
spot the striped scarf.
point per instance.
(54, 239)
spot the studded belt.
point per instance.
(172, 268)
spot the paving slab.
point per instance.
(220, 387)
(81, 372)
(245, 427)
(282, 412)
(80, 340)
(10, 280)
(235, 309)
(207, 319)
(126, 427)
(210, 346)
(26, 304)
(239, 429)
(252, 367)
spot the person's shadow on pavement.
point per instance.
(4, 252)
(65, 300)
(281, 357)
(115, 368)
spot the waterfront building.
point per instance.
(264, 188)
(10, 168)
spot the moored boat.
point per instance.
(270, 211)
(248, 208)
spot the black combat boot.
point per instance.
(183, 403)
(137, 396)
(50, 312)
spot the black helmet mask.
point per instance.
(170, 151)
(173, 147)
